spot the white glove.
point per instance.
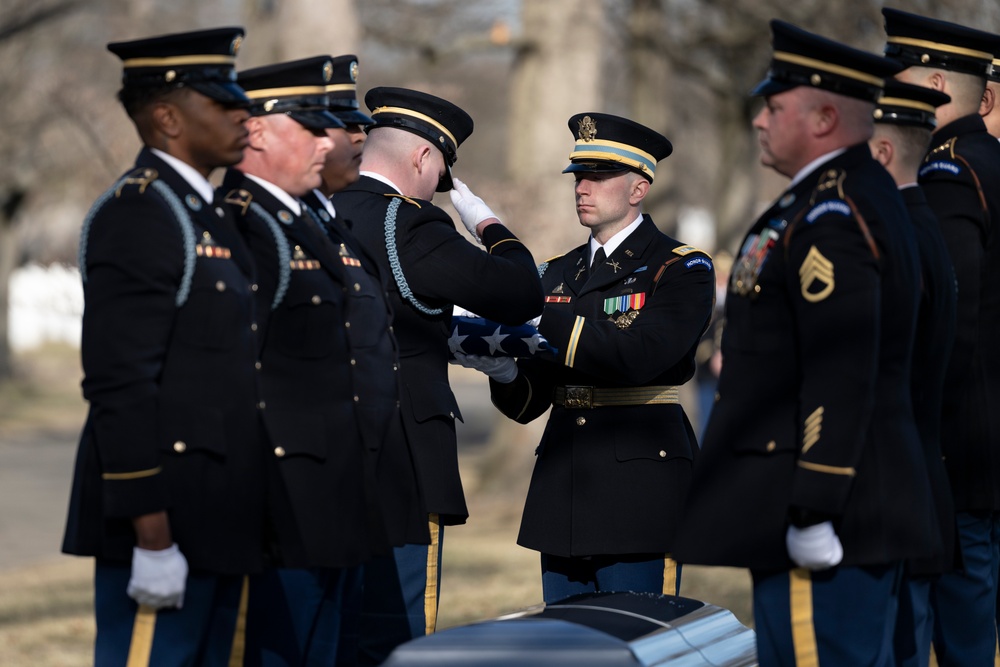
(501, 369)
(158, 577)
(471, 208)
(814, 547)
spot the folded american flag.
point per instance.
(479, 336)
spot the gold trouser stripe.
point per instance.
(141, 646)
(803, 630)
(431, 590)
(236, 655)
(616, 396)
(670, 576)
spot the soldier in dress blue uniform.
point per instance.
(342, 487)
(961, 179)
(407, 158)
(904, 121)
(990, 109)
(166, 488)
(626, 311)
(811, 471)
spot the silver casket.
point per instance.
(605, 629)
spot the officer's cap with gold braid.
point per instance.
(342, 91)
(802, 58)
(906, 104)
(296, 88)
(437, 120)
(203, 60)
(918, 41)
(994, 74)
(611, 143)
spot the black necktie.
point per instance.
(599, 258)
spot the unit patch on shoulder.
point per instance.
(940, 165)
(830, 206)
(698, 261)
(816, 276)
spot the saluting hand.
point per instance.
(472, 209)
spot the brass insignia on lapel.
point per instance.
(816, 270)
(193, 202)
(141, 177)
(588, 129)
(560, 288)
(342, 251)
(614, 265)
(579, 272)
(629, 253)
(241, 198)
(285, 217)
(832, 178)
(298, 253)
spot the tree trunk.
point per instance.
(8, 262)
(282, 30)
(557, 73)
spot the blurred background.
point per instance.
(521, 68)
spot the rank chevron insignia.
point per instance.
(816, 270)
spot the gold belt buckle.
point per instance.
(579, 397)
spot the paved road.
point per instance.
(36, 471)
(35, 475)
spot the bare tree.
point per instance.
(19, 24)
(281, 30)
